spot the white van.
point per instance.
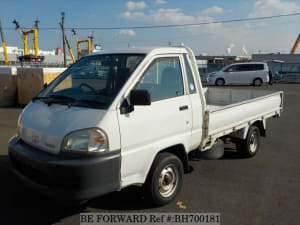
(120, 118)
(252, 73)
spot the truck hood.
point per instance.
(44, 127)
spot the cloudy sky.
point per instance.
(272, 35)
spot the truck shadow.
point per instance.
(232, 153)
(21, 205)
(131, 198)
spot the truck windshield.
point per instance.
(93, 81)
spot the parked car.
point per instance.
(250, 73)
(79, 138)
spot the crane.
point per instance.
(295, 45)
(24, 35)
(4, 46)
(78, 42)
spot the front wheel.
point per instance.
(165, 179)
(250, 146)
(220, 82)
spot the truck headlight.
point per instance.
(86, 140)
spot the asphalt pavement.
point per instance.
(261, 190)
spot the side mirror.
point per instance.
(140, 97)
(45, 85)
(136, 97)
(126, 107)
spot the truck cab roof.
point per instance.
(144, 50)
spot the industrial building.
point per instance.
(53, 57)
(285, 67)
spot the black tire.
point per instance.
(257, 82)
(220, 82)
(156, 186)
(250, 146)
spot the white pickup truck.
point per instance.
(121, 118)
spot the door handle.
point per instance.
(184, 107)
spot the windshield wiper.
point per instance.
(54, 98)
(70, 101)
(92, 101)
(60, 99)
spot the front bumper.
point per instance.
(66, 175)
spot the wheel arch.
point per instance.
(178, 150)
(261, 124)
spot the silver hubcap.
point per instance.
(168, 181)
(220, 82)
(253, 142)
(257, 82)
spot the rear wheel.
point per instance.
(220, 82)
(165, 179)
(257, 82)
(250, 146)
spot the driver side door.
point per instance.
(232, 75)
(167, 121)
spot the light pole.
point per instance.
(63, 37)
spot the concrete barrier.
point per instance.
(30, 81)
(8, 86)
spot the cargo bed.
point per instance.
(228, 110)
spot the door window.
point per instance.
(163, 79)
(258, 66)
(246, 67)
(234, 68)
